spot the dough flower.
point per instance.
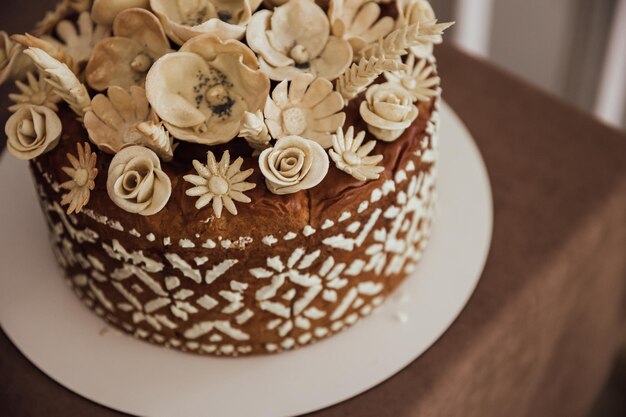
(308, 107)
(32, 131)
(220, 182)
(123, 118)
(124, 59)
(295, 38)
(184, 19)
(136, 182)
(79, 39)
(358, 22)
(203, 91)
(36, 92)
(293, 164)
(352, 157)
(82, 172)
(418, 79)
(388, 110)
(105, 11)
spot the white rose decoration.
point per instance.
(32, 131)
(388, 110)
(293, 164)
(136, 182)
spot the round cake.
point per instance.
(231, 180)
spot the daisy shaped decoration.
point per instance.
(219, 182)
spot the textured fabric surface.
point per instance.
(539, 334)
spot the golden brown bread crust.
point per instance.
(286, 271)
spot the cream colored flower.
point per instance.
(136, 182)
(307, 107)
(13, 63)
(358, 22)
(184, 19)
(254, 130)
(79, 39)
(293, 164)
(295, 38)
(388, 110)
(203, 91)
(37, 92)
(124, 118)
(32, 131)
(83, 172)
(418, 79)
(420, 11)
(221, 183)
(352, 157)
(124, 59)
(105, 11)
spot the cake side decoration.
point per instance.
(32, 131)
(82, 172)
(136, 182)
(353, 157)
(124, 59)
(293, 164)
(305, 106)
(231, 178)
(220, 182)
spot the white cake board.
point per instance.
(57, 333)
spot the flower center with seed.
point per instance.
(294, 121)
(81, 177)
(300, 55)
(141, 63)
(217, 96)
(218, 185)
(351, 158)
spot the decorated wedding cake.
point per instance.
(230, 177)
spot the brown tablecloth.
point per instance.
(539, 334)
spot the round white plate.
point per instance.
(53, 329)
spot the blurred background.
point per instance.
(576, 49)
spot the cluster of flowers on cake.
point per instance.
(143, 75)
